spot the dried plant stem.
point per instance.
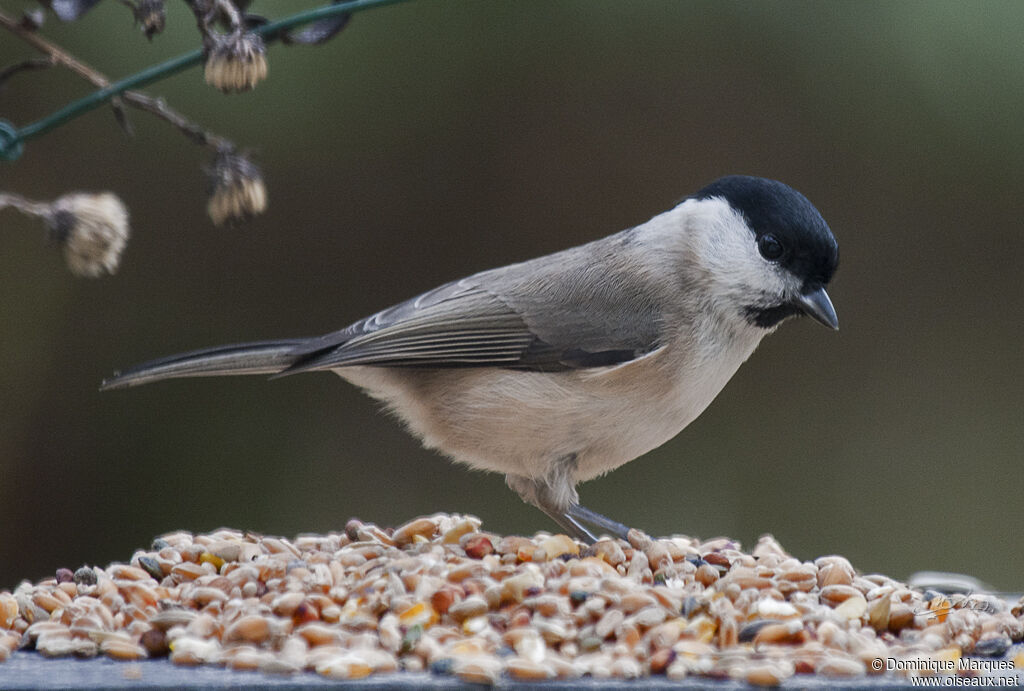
(58, 55)
(206, 14)
(154, 106)
(25, 206)
(13, 138)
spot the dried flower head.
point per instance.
(150, 15)
(236, 189)
(92, 229)
(235, 62)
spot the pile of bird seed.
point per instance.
(440, 595)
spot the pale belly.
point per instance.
(520, 423)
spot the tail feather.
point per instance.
(266, 357)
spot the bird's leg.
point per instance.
(578, 513)
(555, 494)
(570, 525)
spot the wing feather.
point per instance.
(464, 324)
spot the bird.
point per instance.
(559, 369)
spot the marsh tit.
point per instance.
(559, 369)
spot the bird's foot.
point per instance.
(572, 522)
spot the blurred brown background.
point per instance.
(434, 139)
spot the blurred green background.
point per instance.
(434, 139)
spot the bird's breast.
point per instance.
(520, 422)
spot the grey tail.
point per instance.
(265, 357)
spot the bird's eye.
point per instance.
(769, 247)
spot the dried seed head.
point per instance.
(235, 62)
(237, 191)
(150, 15)
(93, 230)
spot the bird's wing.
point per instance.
(462, 324)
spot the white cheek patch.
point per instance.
(725, 246)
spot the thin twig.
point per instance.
(29, 208)
(159, 108)
(33, 64)
(154, 106)
(12, 139)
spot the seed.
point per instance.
(512, 544)
(186, 650)
(172, 617)
(701, 629)
(473, 606)
(128, 573)
(204, 626)
(834, 574)
(319, 634)
(389, 633)
(8, 610)
(349, 665)
(422, 527)
(152, 567)
(212, 559)
(462, 527)
(275, 545)
(799, 573)
(527, 670)
(204, 595)
(285, 605)
(658, 555)
(85, 576)
(765, 675)
(841, 667)
(661, 659)
(788, 633)
(246, 657)
(155, 643)
(558, 545)
(478, 547)
(833, 595)
(706, 574)
(515, 588)
(455, 600)
(46, 601)
(771, 608)
(187, 571)
(56, 646)
(995, 646)
(608, 623)
(549, 605)
(251, 628)
(650, 616)
(878, 613)
(941, 606)
(717, 559)
(609, 551)
(900, 617)
(139, 595)
(852, 608)
(625, 667)
(481, 669)
(421, 614)
(119, 649)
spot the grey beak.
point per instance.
(817, 305)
